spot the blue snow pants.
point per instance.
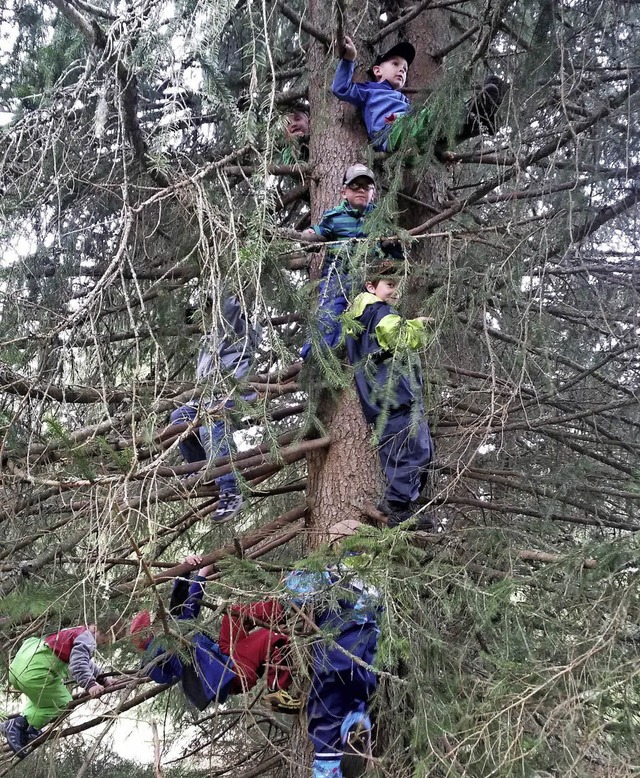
(207, 442)
(405, 454)
(339, 686)
(334, 291)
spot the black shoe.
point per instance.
(396, 513)
(426, 523)
(16, 732)
(483, 107)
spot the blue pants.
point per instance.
(339, 686)
(405, 454)
(207, 442)
(334, 291)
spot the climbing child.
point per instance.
(381, 346)
(342, 223)
(385, 110)
(342, 680)
(213, 669)
(40, 668)
(226, 352)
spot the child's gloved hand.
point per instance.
(347, 49)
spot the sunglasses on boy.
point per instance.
(365, 186)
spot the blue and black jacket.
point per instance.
(381, 346)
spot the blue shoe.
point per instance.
(16, 732)
(326, 768)
(229, 506)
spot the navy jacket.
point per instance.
(381, 346)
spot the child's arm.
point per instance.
(186, 596)
(82, 668)
(343, 87)
(392, 331)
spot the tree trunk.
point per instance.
(347, 474)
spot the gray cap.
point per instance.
(358, 171)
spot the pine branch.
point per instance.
(303, 24)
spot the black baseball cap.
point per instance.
(403, 49)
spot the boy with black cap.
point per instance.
(381, 346)
(382, 103)
(345, 221)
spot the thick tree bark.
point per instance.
(347, 474)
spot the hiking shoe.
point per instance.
(16, 731)
(356, 748)
(396, 513)
(282, 701)
(229, 506)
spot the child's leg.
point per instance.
(333, 292)
(39, 674)
(215, 440)
(190, 448)
(340, 694)
(404, 455)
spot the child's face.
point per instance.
(393, 70)
(103, 638)
(359, 192)
(386, 289)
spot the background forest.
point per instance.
(143, 166)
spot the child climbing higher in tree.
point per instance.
(40, 668)
(339, 226)
(381, 346)
(226, 352)
(387, 113)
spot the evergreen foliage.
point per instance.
(143, 167)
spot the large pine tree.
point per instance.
(144, 166)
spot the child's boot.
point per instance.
(355, 735)
(16, 732)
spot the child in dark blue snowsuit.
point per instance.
(341, 687)
(227, 351)
(208, 674)
(381, 346)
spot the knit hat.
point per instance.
(141, 622)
